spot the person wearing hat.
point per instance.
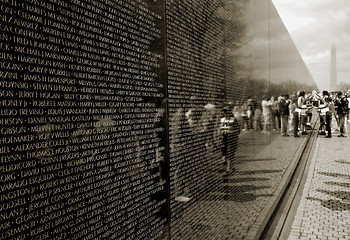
(342, 111)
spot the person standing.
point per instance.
(330, 107)
(266, 111)
(322, 114)
(342, 111)
(275, 113)
(257, 125)
(284, 113)
(179, 127)
(229, 131)
(244, 115)
(303, 117)
(250, 112)
(295, 114)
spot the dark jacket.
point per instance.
(284, 107)
(342, 106)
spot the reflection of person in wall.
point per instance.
(193, 115)
(244, 115)
(257, 118)
(284, 113)
(237, 113)
(250, 112)
(159, 164)
(159, 122)
(210, 123)
(179, 126)
(266, 111)
(196, 141)
(229, 131)
(275, 113)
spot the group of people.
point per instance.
(197, 131)
(334, 105)
(294, 112)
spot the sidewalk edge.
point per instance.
(266, 213)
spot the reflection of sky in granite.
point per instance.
(273, 55)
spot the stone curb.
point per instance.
(266, 213)
(294, 234)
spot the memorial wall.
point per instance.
(110, 111)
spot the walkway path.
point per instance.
(324, 210)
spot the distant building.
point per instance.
(333, 81)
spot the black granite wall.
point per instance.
(110, 110)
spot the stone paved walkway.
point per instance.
(324, 209)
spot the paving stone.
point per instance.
(324, 208)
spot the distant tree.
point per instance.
(342, 86)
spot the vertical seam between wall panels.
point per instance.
(167, 120)
(269, 48)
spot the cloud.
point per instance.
(314, 26)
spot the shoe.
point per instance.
(345, 135)
(285, 135)
(304, 133)
(340, 135)
(328, 136)
(296, 136)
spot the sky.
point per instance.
(315, 25)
